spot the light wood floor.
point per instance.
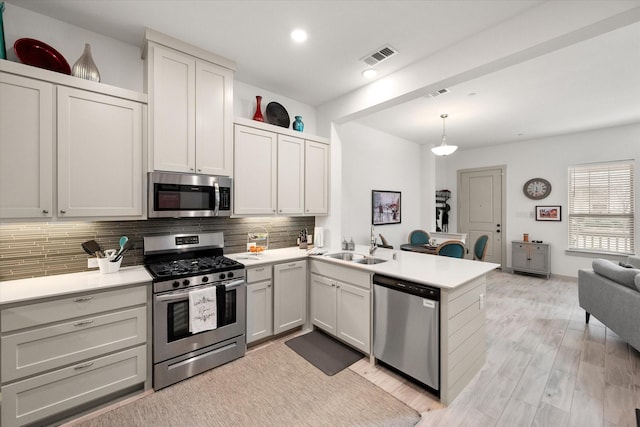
(545, 367)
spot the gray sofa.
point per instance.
(611, 292)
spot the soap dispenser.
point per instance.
(345, 245)
(352, 245)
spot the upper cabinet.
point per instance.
(99, 155)
(69, 148)
(26, 147)
(279, 171)
(191, 107)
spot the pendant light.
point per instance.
(444, 149)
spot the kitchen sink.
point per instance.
(360, 259)
(370, 260)
(346, 256)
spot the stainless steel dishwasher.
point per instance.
(406, 328)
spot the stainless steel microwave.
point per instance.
(178, 195)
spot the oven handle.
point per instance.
(182, 295)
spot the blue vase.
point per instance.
(297, 124)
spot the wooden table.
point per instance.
(423, 249)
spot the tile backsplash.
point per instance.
(32, 249)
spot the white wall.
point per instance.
(119, 63)
(372, 160)
(244, 105)
(546, 158)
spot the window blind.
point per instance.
(601, 207)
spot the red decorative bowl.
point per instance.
(39, 54)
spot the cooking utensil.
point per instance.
(128, 245)
(92, 247)
(123, 240)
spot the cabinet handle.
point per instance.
(45, 211)
(86, 365)
(83, 323)
(292, 265)
(260, 269)
(199, 170)
(191, 169)
(63, 211)
(268, 286)
(83, 299)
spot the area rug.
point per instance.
(324, 352)
(270, 386)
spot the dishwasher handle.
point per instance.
(418, 289)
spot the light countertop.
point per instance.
(23, 290)
(434, 270)
(440, 271)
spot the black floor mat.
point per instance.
(324, 352)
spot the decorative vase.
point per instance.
(258, 115)
(84, 67)
(297, 124)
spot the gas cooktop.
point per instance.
(192, 266)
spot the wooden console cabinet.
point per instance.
(530, 257)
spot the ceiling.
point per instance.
(588, 85)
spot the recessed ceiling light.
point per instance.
(369, 73)
(298, 35)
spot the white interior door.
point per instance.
(480, 209)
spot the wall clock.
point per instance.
(537, 188)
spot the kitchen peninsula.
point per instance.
(462, 284)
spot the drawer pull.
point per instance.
(86, 365)
(260, 269)
(83, 299)
(83, 323)
(292, 265)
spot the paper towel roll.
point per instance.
(318, 236)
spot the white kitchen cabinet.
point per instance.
(289, 295)
(100, 148)
(342, 307)
(323, 303)
(255, 157)
(26, 147)
(278, 172)
(191, 108)
(291, 172)
(259, 303)
(93, 132)
(316, 178)
(69, 351)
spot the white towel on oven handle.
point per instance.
(203, 314)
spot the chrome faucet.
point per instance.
(373, 246)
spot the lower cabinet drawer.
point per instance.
(50, 347)
(61, 309)
(46, 395)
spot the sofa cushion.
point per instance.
(612, 271)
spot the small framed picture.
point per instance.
(548, 213)
(385, 207)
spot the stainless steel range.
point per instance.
(181, 264)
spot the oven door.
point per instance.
(171, 336)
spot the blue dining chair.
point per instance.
(451, 248)
(480, 248)
(419, 237)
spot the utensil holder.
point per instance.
(106, 266)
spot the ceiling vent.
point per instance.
(380, 55)
(438, 93)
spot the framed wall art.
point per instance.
(385, 207)
(548, 213)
